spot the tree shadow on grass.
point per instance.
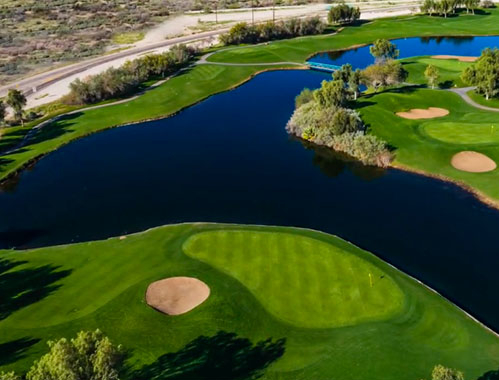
(23, 287)
(491, 375)
(55, 129)
(222, 356)
(15, 350)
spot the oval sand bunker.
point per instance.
(417, 113)
(177, 295)
(473, 162)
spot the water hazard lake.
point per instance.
(229, 159)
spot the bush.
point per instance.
(320, 119)
(245, 33)
(487, 4)
(304, 97)
(343, 13)
(126, 79)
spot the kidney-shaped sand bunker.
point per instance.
(177, 295)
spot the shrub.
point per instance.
(343, 13)
(487, 4)
(323, 120)
(304, 97)
(245, 33)
(126, 79)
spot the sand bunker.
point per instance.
(177, 295)
(458, 57)
(429, 113)
(473, 162)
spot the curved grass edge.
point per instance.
(415, 325)
(9, 174)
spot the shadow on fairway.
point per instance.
(12, 351)
(23, 287)
(491, 375)
(222, 356)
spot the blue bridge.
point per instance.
(323, 66)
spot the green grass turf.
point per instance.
(201, 82)
(298, 50)
(57, 291)
(450, 70)
(480, 99)
(310, 285)
(463, 133)
(416, 148)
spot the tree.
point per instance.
(3, 112)
(354, 83)
(384, 74)
(331, 94)
(471, 5)
(89, 356)
(383, 50)
(16, 100)
(444, 7)
(442, 373)
(432, 74)
(343, 73)
(304, 97)
(484, 74)
(343, 13)
(429, 7)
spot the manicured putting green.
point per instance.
(463, 133)
(300, 280)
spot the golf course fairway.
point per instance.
(338, 311)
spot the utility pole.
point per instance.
(253, 12)
(273, 11)
(216, 11)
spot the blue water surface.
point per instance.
(229, 159)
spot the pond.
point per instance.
(412, 47)
(229, 159)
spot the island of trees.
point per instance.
(325, 116)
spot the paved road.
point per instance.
(43, 80)
(463, 93)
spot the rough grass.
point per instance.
(301, 281)
(127, 38)
(102, 285)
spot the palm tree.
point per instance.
(16, 100)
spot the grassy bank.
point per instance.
(298, 50)
(202, 81)
(343, 312)
(186, 89)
